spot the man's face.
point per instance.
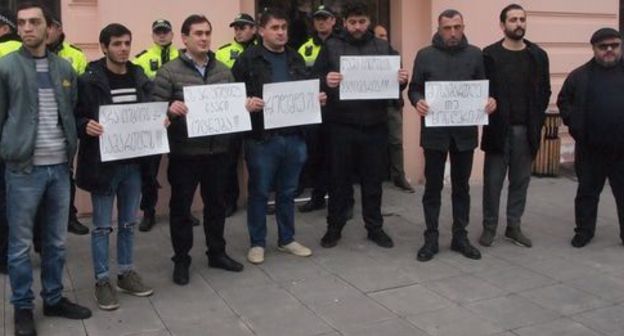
(324, 24)
(608, 52)
(275, 33)
(54, 33)
(4, 29)
(381, 33)
(514, 26)
(244, 33)
(118, 50)
(357, 25)
(451, 30)
(198, 40)
(162, 37)
(32, 27)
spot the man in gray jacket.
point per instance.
(450, 58)
(194, 161)
(38, 132)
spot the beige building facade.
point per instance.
(561, 27)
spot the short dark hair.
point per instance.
(449, 14)
(355, 8)
(271, 13)
(47, 15)
(113, 30)
(503, 13)
(191, 20)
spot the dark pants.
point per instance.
(461, 166)
(317, 166)
(184, 174)
(395, 142)
(4, 225)
(593, 166)
(232, 191)
(515, 162)
(352, 147)
(149, 184)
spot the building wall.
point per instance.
(562, 27)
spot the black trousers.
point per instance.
(232, 191)
(185, 173)
(593, 166)
(351, 147)
(461, 167)
(149, 184)
(316, 170)
(4, 224)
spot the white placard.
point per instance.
(291, 103)
(216, 109)
(459, 103)
(369, 77)
(133, 130)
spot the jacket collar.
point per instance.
(10, 37)
(438, 43)
(189, 62)
(96, 73)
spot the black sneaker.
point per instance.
(464, 247)
(194, 220)
(580, 240)
(270, 209)
(380, 238)
(427, 251)
(24, 323)
(401, 183)
(148, 221)
(231, 210)
(312, 205)
(75, 227)
(223, 261)
(331, 238)
(67, 309)
(181, 273)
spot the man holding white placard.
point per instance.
(449, 58)
(195, 160)
(275, 149)
(112, 80)
(357, 128)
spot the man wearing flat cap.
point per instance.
(592, 106)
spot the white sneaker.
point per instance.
(256, 255)
(296, 249)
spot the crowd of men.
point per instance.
(50, 97)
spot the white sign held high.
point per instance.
(133, 130)
(369, 77)
(216, 109)
(459, 103)
(291, 103)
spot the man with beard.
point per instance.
(592, 105)
(38, 132)
(357, 129)
(520, 79)
(449, 58)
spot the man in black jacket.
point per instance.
(591, 105)
(194, 161)
(274, 156)
(450, 58)
(357, 129)
(519, 75)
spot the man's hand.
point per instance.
(94, 128)
(178, 108)
(422, 108)
(403, 76)
(323, 98)
(254, 104)
(490, 106)
(334, 79)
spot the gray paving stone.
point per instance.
(296, 321)
(464, 289)
(396, 327)
(321, 291)
(606, 320)
(513, 311)
(560, 269)
(560, 327)
(411, 300)
(227, 326)
(607, 287)
(353, 312)
(162, 332)
(564, 299)
(515, 279)
(454, 321)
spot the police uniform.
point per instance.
(8, 47)
(74, 56)
(310, 50)
(228, 53)
(153, 58)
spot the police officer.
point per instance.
(160, 52)
(244, 36)
(151, 60)
(57, 44)
(9, 41)
(324, 21)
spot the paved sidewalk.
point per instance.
(360, 289)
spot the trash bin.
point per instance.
(547, 160)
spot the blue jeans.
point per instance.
(126, 185)
(273, 162)
(48, 185)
